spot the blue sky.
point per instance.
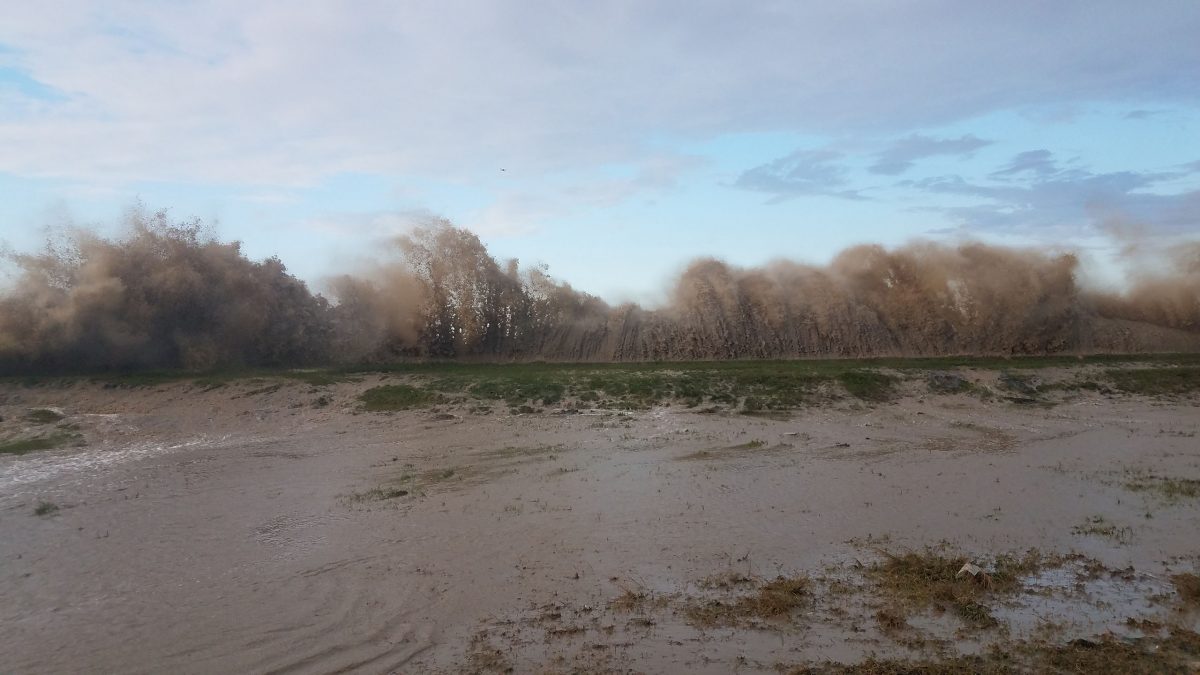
(612, 141)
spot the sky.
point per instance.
(611, 141)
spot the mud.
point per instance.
(261, 528)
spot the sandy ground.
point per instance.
(234, 530)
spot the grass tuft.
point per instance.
(868, 385)
(1101, 527)
(378, 494)
(1171, 489)
(630, 601)
(774, 599)
(929, 580)
(396, 397)
(44, 416)
(27, 445)
(1188, 587)
(1156, 381)
(1175, 653)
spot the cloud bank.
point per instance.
(285, 93)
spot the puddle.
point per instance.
(88, 461)
(1075, 600)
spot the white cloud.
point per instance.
(514, 215)
(370, 226)
(286, 92)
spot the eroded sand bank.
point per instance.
(254, 528)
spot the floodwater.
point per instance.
(234, 531)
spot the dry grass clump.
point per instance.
(1176, 653)
(774, 599)
(631, 601)
(977, 665)
(726, 580)
(1188, 587)
(732, 451)
(377, 494)
(1101, 527)
(483, 657)
(891, 620)
(44, 416)
(1171, 489)
(396, 397)
(24, 446)
(929, 580)
(778, 597)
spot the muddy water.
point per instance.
(219, 532)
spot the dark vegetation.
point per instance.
(868, 385)
(27, 445)
(1156, 381)
(1167, 487)
(170, 295)
(750, 386)
(43, 416)
(395, 397)
(1188, 587)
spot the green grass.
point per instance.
(514, 390)
(44, 416)
(27, 445)
(476, 370)
(396, 397)
(868, 385)
(1171, 489)
(319, 378)
(1156, 381)
(632, 387)
(756, 386)
(753, 387)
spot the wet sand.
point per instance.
(253, 528)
